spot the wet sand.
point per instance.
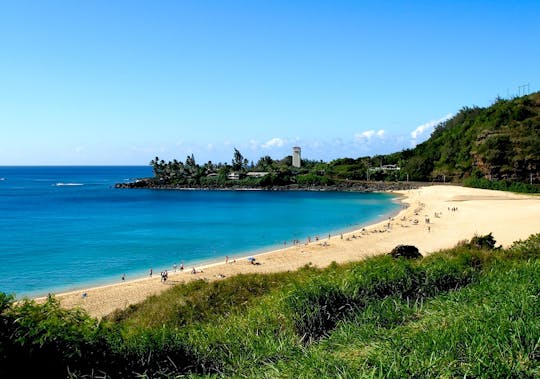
(426, 221)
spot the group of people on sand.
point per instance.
(308, 241)
(164, 276)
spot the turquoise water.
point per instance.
(65, 228)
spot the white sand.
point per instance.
(508, 216)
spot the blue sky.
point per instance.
(119, 82)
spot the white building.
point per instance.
(296, 159)
(257, 174)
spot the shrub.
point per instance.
(501, 185)
(405, 251)
(483, 242)
(530, 248)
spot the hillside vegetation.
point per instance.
(495, 147)
(499, 142)
(471, 311)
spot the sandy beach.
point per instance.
(427, 221)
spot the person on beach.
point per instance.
(226, 259)
(151, 272)
(123, 277)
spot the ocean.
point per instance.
(66, 228)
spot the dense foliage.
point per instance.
(501, 185)
(498, 142)
(472, 311)
(267, 172)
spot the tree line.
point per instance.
(499, 143)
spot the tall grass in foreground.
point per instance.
(318, 306)
(489, 329)
(464, 312)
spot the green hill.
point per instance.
(499, 142)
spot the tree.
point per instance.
(264, 163)
(238, 161)
(190, 161)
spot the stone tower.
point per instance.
(296, 159)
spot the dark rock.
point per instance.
(405, 251)
(152, 183)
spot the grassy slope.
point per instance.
(489, 329)
(464, 312)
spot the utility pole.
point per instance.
(525, 88)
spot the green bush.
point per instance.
(483, 242)
(47, 338)
(313, 180)
(501, 185)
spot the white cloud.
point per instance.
(274, 142)
(368, 134)
(428, 126)
(253, 144)
(338, 141)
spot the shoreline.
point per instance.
(218, 261)
(425, 222)
(237, 252)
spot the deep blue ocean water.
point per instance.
(64, 228)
